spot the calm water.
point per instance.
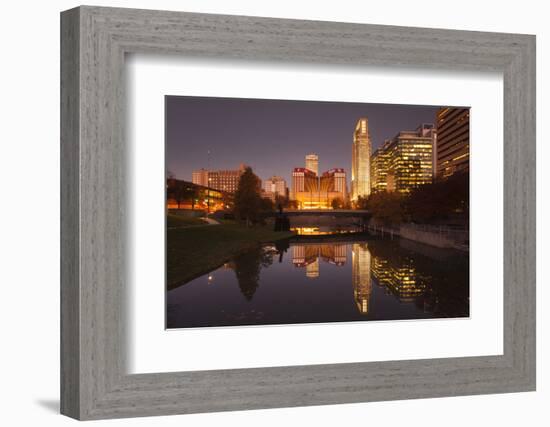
(325, 282)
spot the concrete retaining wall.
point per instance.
(428, 237)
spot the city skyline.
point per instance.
(222, 133)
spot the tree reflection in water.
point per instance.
(247, 267)
(282, 246)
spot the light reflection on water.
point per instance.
(324, 282)
(324, 230)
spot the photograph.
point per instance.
(296, 212)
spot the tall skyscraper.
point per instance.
(312, 163)
(360, 160)
(453, 141)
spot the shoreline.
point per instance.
(194, 251)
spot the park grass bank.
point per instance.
(194, 251)
(173, 221)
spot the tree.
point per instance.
(440, 200)
(181, 191)
(362, 202)
(281, 200)
(337, 203)
(266, 205)
(386, 207)
(248, 201)
(292, 204)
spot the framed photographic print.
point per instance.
(282, 213)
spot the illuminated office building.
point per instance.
(312, 163)
(453, 141)
(318, 192)
(274, 186)
(379, 168)
(360, 160)
(361, 276)
(409, 159)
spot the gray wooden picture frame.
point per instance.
(94, 381)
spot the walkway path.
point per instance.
(208, 223)
(211, 221)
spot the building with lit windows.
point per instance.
(360, 160)
(184, 195)
(453, 141)
(222, 180)
(311, 191)
(379, 168)
(200, 177)
(312, 163)
(335, 180)
(407, 160)
(274, 187)
(303, 181)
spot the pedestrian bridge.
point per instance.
(336, 218)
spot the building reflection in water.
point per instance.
(389, 281)
(308, 255)
(361, 276)
(312, 270)
(396, 274)
(399, 277)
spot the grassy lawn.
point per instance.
(194, 251)
(183, 221)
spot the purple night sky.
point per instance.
(273, 136)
